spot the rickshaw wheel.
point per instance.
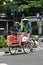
(12, 50)
(26, 48)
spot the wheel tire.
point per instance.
(12, 50)
(26, 48)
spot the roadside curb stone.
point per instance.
(2, 53)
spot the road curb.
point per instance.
(41, 40)
(6, 52)
(34, 49)
(2, 53)
(38, 49)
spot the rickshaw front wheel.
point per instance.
(26, 48)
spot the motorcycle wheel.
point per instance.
(12, 50)
(26, 48)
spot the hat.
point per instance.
(17, 23)
(25, 19)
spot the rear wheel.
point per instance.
(12, 50)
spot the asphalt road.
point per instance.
(34, 58)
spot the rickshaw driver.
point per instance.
(25, 38)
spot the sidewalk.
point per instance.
(41, 41)
(4, 50)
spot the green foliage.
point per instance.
(36, 3)
(3, 42)
(23, 7)
(41, 2)
(3, 8)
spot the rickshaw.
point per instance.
(13, 44)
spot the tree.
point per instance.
(41, 2)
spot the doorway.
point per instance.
(34, 27)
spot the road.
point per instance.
(34, 58)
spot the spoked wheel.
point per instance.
(26, 48)
(12, 50)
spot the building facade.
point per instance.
(36, 24)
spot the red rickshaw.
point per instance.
(13, 44)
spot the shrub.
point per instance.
(3, 42)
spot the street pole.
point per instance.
(7, 28)
(39, 23)
(13, 15)
(39, 27)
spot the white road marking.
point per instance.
(3, 64)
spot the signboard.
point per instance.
(38, 16)
(14, 8)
